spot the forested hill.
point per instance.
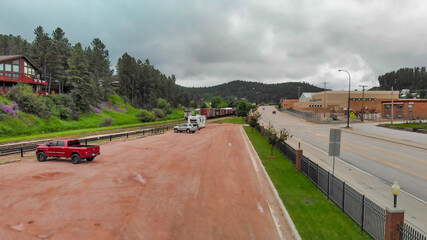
(252, 91)
(414, 79)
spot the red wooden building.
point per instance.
(16, 69)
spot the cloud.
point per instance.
(206, 43)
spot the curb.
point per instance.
(384, 139)
(276, 194)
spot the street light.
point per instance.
(395, 190)
(348, 105)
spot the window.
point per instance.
(399, 116)
(399, 107)
(16, 68)
(60, 144)
(8, 67)
(387, 107)
(1, 67)
(410, 106)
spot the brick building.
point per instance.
(337, 101)
(288, 103)
(405, 109)
(16, 69)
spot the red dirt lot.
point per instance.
(171, 186)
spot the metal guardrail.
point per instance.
(21, 148)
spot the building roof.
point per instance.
(5, 58)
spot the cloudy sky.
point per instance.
(208, 42)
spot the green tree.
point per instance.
(78, 75)
(216, 101)
(60, 53)
(42, 50)
(193, 104)
(99, 68)
(253, 119)
(243, 108)
(164, 105)
(274, 137)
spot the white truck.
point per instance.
(200, 120)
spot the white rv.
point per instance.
(200, 120)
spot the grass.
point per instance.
(410, 125)
(27, 126)
(314, 216)
(234, 120)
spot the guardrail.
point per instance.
(21, 148)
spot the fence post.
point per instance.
(363, 212)
(110, 138)
(85, 141)
(317, 168)
(262, 131)
(328, 185)
(393, 218)
(343, 195)
(127, 135)
(298, 154)
(22, 152)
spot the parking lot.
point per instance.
(170, 186)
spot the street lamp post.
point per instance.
(363, 101)
(395, 190)
(348, 105)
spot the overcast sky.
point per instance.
(205, 42)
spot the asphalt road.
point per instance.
(371, 160)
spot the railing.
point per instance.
(23, 148)
(369, 216)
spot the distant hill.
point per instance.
(252, 91)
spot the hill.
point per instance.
(252, 91)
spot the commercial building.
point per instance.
(16, 69)
(405, 109)
(288, 103)
(337, 101)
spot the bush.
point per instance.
(145, 116)
(107, 121)
(159, 113)
(28, 102)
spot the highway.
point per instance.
(371, 159)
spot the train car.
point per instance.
(208, 112)
(228, 111)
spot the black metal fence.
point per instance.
(410, 233)
(23, 148)
(365, 213)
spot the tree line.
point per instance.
(85, 72)
(414, 79)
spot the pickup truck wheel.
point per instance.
(175, 130)
(188, 130)
(75, 158)
(90, 158)
(41, 157)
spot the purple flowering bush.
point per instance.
(97, 110)
(8, 110)
(119, 110)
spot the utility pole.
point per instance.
(324, 98)
(392, 98)
(363, 101)
(299, 88)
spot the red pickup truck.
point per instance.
(69, 148)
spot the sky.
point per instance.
(206, 43)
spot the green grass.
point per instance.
(234, 120)
(410, 125)
(27, 126)
(314, 216)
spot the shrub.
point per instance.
(145, 116)
(107, 121)
(28, 102)
(159, 113)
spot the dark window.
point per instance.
(60, 143)
(54, 143)
(73, 143)
(399, 107)
(387, 107)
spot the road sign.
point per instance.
(352, 115)
(334, 145)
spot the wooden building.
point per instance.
(16, 69)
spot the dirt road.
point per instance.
(171, 186)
